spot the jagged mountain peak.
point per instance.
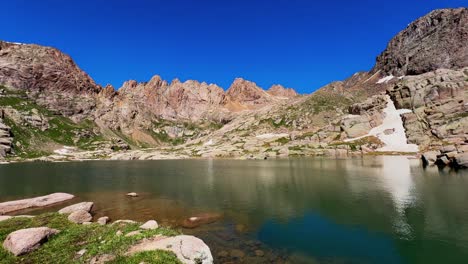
(281, 91)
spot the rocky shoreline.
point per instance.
(69, 235)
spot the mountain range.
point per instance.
(52, 110)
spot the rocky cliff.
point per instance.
(437, 40)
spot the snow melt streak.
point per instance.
(396, 141)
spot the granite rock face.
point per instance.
(439, 103)
(434, 41)
(49, 76)
(6, 139)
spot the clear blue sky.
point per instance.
(302, 44)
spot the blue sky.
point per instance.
(302, 44)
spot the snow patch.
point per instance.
(16, 43)
(271, 135)
(385, 79)
(395, 141)
(208, 143)
(65, 150)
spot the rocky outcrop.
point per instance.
(41, 201)
(280, 91)
(439, 103)
(434, 41)
(48, 76)
(448, 155)
(188, 249)
(23, 241)
(6, 139)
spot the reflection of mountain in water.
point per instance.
(421, 210)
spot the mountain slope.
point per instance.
(49, 102)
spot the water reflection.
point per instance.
(314, 208)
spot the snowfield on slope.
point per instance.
(396, 141)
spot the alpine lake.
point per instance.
(381, 209)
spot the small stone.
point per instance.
(80, 217)
(133, 233)
(4, 217)
(26, 240)
(103, 220)
(101, 259)
(259, 253)
(132, 194)
(150, 225)
(87, 223)
(119, 233)
(118, 222)
(80, 253)
(389, 131)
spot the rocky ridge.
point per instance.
(161, 119)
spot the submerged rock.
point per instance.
(41, 201)
(188, 249)
(26, 240)
(429, 157)
(202, 219)
(84, 206)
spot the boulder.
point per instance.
(80, 217)
(40, 201)
(188, 249)
(26, 240)
(103, 220)
(429, 157)
(448, 148)
(356, 125)
(84, 206)
(151, 224)
(461, 160)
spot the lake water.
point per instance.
(362, 210)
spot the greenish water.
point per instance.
(370, 210)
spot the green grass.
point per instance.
(356, 144)
(96, 239)
(282, 140)
(31, 142)
(155, 257)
